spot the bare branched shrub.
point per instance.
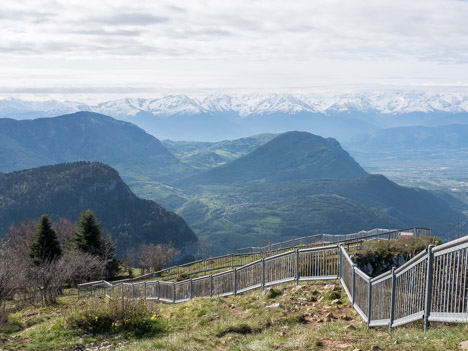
(79, 267)
(155, 257)
(18, 238)
(65, 229)
(205, 249)
(7, 280)
(44, 283)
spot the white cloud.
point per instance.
(221, 45)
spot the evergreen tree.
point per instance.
(45, 246)
(88, 236)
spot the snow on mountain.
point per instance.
(254, 104)
(11, 106)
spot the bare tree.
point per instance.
(131, 259)
(204, 249)
(19, 237)
(65, 229)
(155, 257)
(7, 280)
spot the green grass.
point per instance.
(284, 318)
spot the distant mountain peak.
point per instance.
(388, 102)
(290, 156)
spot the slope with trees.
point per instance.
(66, 190)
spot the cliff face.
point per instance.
(65, 190)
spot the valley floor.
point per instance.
(314, 316)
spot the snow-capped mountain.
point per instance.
(247, 105)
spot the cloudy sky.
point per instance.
(103, 49)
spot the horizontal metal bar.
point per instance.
(165, 283)
(361, 274)
(321, 248)
(451, 249)
(450, 244)
(293, 252)
(249, 265)
(165, 300)
(447, 317)
(182, 300)
(205, 277)
(280, 281)
(346, 289)
(382, 277)
(182, 282)
(249, 288)
(408, 319)
(361, 312)
(223, 273)
(411, 262)
(346, 256)
(379, 322)
(189, 263)
(318, 277)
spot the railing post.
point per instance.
(173, 293)
(133, 291)
(145, 290)
(232, 260)
(123, 299)
(341, 262)
(428, 298)
(353, 285)
(235, 281)
(159, 290)
(191, 289)
(297, 266)
(211, 285)
(369, 309)
(392, 301)
(263, 273)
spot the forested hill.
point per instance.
(290, 156)
(65, 190)
(85, 136)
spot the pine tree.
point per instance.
(45, 246)
(88, 236)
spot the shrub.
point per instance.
(238, 329)
(182, 277)
(273, 292)
(116, 316)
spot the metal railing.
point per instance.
(326, 239)
(432, 286)
(251, 254)
(296, 265)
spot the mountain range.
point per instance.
(390, 102)
(233, 193)
(219, 117)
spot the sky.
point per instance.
(97, 50)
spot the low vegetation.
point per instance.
(313, 316)
(378, 256)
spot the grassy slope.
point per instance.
(300, 322)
